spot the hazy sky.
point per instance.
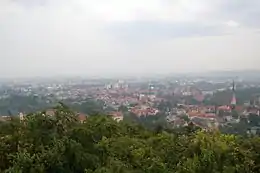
(104, 37)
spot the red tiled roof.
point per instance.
(82, 117)
(50, 112)
(224, 108)
(210, 115)
(202, 115)
(116, 114)
(148, 111)
(239, 108)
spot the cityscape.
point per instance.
(229, 104)
(129, 86)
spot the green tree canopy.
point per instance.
(62, 144)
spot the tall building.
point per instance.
(233, 100)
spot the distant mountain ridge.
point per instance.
(247, 74)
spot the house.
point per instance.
(117, 116)
(253, 110)
(179, 122)
(228, 118)
(50, 112)
(253, 131)
(205, 123)
(144, 111)
(81, 117)
(209, 116)
(21, 116)
(5, 118)
(224, 108)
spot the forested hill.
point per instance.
(62, 144)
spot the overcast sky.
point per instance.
(105, 37)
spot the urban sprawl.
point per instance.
(206, 103)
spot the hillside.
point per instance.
(61, 144)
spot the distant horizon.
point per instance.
(113, 76)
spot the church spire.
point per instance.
(233, 86)
(233, 100)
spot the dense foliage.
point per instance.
(15, 104)
(62, 144)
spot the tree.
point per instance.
(62, 144)
(254, 120)
(122, 108)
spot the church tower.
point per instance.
(233, 100)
